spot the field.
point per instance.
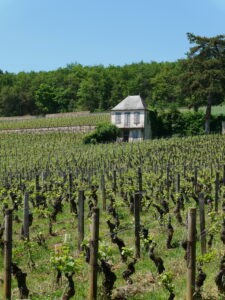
(216, 109)
(68, 121)
(40, 122)
(55, 167)
(76, 120)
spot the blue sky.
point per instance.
(48, 34)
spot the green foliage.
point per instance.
(194, 123)
(166, 280)
(55, 155)
(99, 88)
(24, 250)
(95, 88)
(62, 260)
(206, 258)
(105, 251)
(216, 222)
(203, 75)
(172, 123)
(146, 241)
(127, 252)
(176, 123)
(104, 133)
(45, 99)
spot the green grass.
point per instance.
(216, 109)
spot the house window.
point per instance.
(136, 118)
(127, 119)
(118, 118)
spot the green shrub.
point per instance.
(171, 123)
(176, 123)
(193, 123)
(104, 133)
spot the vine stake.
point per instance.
(93, 264)
(191, 253)
(7, 254)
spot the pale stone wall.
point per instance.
(51, 129)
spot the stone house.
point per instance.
(132, 117)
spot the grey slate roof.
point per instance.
(131, 103)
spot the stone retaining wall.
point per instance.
(84, 129)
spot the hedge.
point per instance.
(176, 123)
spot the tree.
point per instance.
(92, 93)
(45, 99)
(9, 101)
(204, 73)
(165, 88)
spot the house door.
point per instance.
(125, 135)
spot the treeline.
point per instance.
(94, 88)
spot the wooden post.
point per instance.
(70, 185)
(89, 179)
(114, 181)
(195, 177)
(211, 170)
(217, 191)
(42, 178)
(202, 222)
(7, 254)
(140, 180)
(37, 185)
(26, 216)
(80, 218)
(184, 171)
(224, 175)
(103, 192)
(178, 183)
(140, 188)
(137, 224)
(20, 179)
(191, 253)
(168, 178)
(93, 264)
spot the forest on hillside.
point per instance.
(93, 88)
(197, 80)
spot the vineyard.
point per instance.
(55, 188)
(40, 122)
